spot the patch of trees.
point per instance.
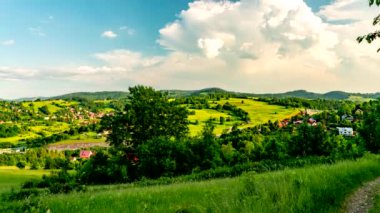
(39, 158)
(9, 130)
(321, 104)
(236, 111)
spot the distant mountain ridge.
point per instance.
(94, 95)
(337, 95)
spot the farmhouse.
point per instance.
(346, 131)
(86, 154)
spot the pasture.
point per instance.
(261, 112)
(203, 115)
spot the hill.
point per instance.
(337, 95)
(93, 95)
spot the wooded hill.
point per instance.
(337, 95)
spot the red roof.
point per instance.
(86, 154)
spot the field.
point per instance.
(12, 176)
(261, 112)
(203, 115)
(359, 99)
(53, 106)
(321, 188)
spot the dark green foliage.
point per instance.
(370, 131)
(243, 115)
(149, 114)
(163, 157)
(21, 165)
(44, 110)
(8, 130)
(104, 168)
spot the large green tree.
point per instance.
(148, 114)
(370, 37)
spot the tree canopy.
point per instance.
(148, 114)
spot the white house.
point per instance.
(346, 131)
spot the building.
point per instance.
(346, 131)
(86, 154)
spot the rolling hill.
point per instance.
(337, 95)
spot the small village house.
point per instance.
(346, 131)
(85, 154)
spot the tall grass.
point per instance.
(320, 188)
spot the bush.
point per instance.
(21, 164)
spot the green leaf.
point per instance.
(371, 2)
(360, 39)
(376, 20)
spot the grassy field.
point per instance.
(205, 114)
(12, 176)
(359, 99)
(51, 105)
(321, 188)
(261, 112)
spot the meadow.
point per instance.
(261, 112)
(320, 188)
(12, 177)
(202, 115)
(258, 112)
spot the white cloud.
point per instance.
(9, 42)
(128, 30)
(37, 31)
(249, 45)
(109, 34)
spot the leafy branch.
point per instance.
(370, 37)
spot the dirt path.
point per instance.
(362, 200)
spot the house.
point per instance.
(297, 122)
(284, 123)
(345, 131)
(312, 122)
(85, 154)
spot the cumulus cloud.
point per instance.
(16, 73)
(9, 42)
(249, 45)
(109, 34)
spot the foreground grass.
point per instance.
(320, 188)
(12, 177)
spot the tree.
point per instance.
(370, 37)
(21, 164)
(148, 114)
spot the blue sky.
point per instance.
(46, 44)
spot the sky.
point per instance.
(52, 47)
